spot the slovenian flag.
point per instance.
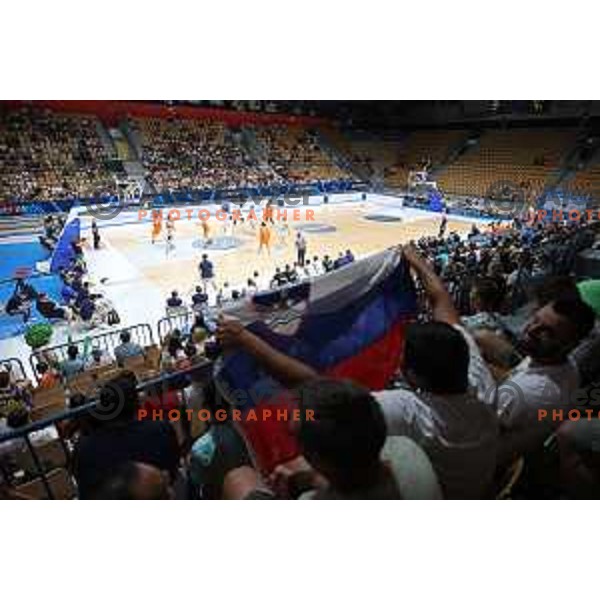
(347, 324)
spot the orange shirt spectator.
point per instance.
(49, 378)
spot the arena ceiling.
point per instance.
(392, 114)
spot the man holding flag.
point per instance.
(442, 409)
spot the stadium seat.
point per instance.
(60, 483)
(98, 372)
(84, 383)
(152, 354)
(134, 362)
(41, 397)
(48, 409)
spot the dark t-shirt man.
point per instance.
(96, 455)
(327, 264)
(87, 308)
(206, 269)
(199, 298)
(174, 302)
(49, 309)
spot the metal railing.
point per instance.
(107, 342)
(15, 367)
(182, 321)
(202, 371)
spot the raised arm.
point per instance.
(441, 302)
(287, 370)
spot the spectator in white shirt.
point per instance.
(306, 270)
(546, 379)
(251, 287)
(259, 280)
(224, 294)
(445, 409)
(316, 268)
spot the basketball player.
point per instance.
(286, 225)
(207, 273)
(269, 212)
(264, 238)
(252, 221)
(281, 234)
(228, 226)
(170, 235)
(205, 232)
(443, 226)
(156, 225)
(95, 234)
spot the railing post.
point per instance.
(39, 468)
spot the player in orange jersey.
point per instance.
(205, 231)
(156, 225)
(264, 238)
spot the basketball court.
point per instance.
(138, 276)
(142, 274)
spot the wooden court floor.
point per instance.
(179, 270)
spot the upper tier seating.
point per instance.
(295, 155)
(427, 147)
(51, 156)
(585, 182)
(196, 154)
(525, 157)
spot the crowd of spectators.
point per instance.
(209, 294)
(51, 156)
(501, 311)
(511, 256)
(296, 155)
(79, 302)
(205, 155)
(197, 155)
